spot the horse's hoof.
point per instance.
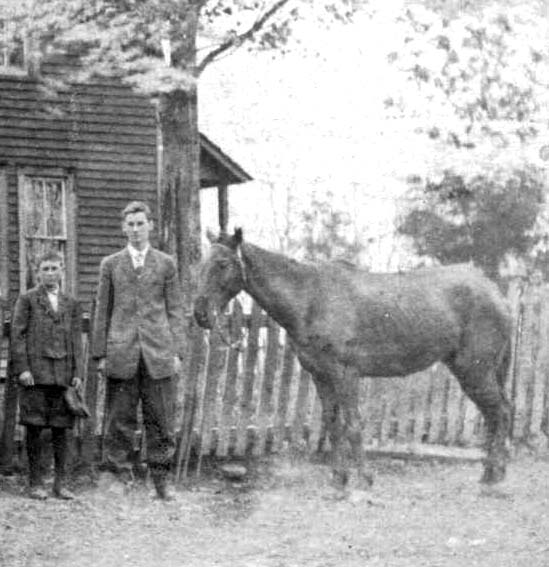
(498, 493)
(492, 474)
(340, 478)
(366, 479)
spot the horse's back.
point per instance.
(409, 320)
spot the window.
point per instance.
(12, 52)
(46, 223)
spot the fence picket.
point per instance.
(215, 368)
(266, 402)
(257, 396)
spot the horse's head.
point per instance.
(221, 278)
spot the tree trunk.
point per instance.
(180, 210)
(180, 183)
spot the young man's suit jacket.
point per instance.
(44, 341)
(138, 314)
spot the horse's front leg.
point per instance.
(333, 424)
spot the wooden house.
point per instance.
(69, 162)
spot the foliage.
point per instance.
(327, 234)
(486, 66)
(482, 219)
(153, 43)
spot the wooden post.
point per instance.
(88, 441)
(223, 207)
(4, 242)
(10, 413)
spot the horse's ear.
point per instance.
(210, 236)
(238, 237)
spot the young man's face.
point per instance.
(136, 227)
(50, 273)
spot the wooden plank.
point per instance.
(266, 400)
(70, 133)
(374, 411)
(230, 409)
(318, 434)
(193, 368)
(71, 251)
(251, 360)
(396, 408)
(442, 437)
(215, 367)
(10, 420)
(420, 409)
(4, 234)
(130, 133)
(282, 425)
(304, 393)
(468, 435)
(541, 370)
(527, 354)
(453, 409)
(73, 152)
(90, 380)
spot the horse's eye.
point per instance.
(223, 263)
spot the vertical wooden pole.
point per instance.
(223, 207)
(10, 413)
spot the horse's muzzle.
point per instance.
(203, 312)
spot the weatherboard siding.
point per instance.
(103, 135)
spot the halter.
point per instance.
(237, 343)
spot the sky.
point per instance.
(313, 122)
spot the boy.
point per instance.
(46, 356)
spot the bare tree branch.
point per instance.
(239, 38)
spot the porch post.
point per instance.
(223, 207)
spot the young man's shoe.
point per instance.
(63, 493)
(37, 493)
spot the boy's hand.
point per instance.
(26, 379)
(76, 383)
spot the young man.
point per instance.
(138, 335)
(46, 348)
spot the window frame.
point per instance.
(69, 217)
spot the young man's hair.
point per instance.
(50, 256)
(136, 207)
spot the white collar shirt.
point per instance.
(138, 256)
(53, 296)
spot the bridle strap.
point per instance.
(237, 343)
(242, 265)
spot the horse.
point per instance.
(347, 323)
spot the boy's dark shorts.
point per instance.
(44, 406)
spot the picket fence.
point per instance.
(242, 391)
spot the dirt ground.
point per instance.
(286, 514)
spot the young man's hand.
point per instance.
(76, 383)
(101, 367)
(26, 379)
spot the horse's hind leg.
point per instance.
(483, 380)
(348, 394)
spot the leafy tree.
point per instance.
(326, 234)
(484, 67)
(154, 46)
(482, 219)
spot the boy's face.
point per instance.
(50, 272)
(137, 228)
